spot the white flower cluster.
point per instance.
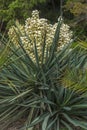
(14, 32)
(35, 30)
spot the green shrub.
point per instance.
(10, 10)
(36, 91)
(76, 10)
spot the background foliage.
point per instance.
(75, 12)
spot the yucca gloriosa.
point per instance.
(40, 92)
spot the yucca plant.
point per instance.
(39, 91)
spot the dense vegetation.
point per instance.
(43, 64)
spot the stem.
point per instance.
(61, 11)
